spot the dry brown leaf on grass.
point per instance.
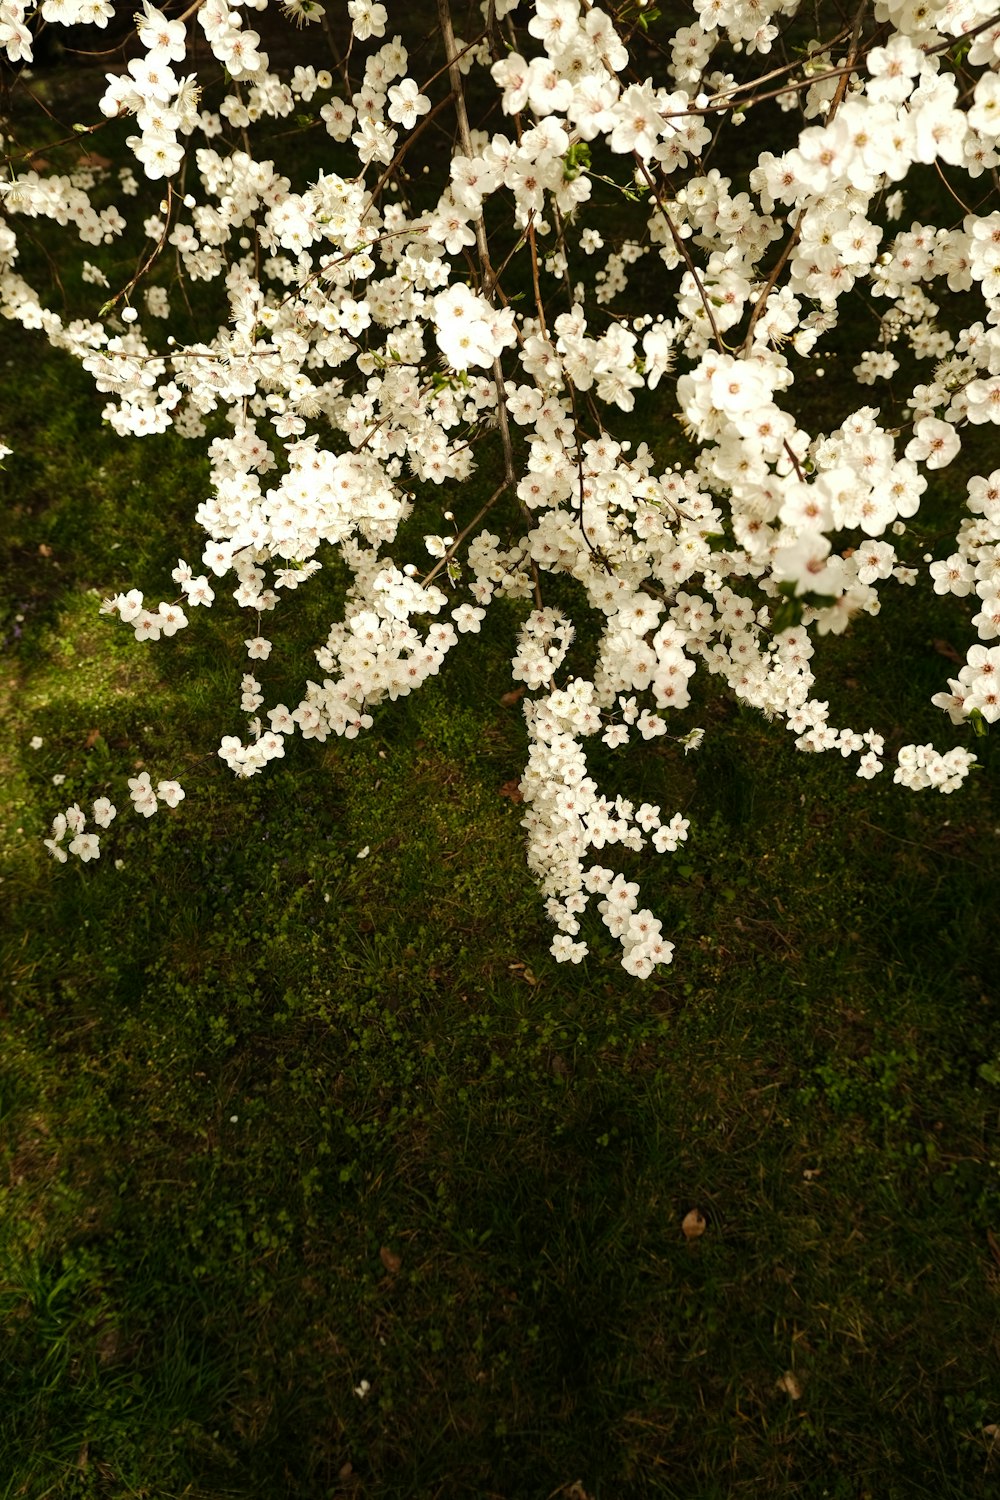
(514, 696)
(390, 1260)
(693, 1224)
(789, 1383)
(512, 789)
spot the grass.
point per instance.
(277, 1120)
(319, 1178)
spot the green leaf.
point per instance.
(576, 160)
(788, 614)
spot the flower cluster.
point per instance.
(147, 624)
(407, 315)
(87, 846)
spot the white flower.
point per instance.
(74, 819)
(407, 104)
(469, 332)
(367, 19)
(142, 794)
(468, 618)
(104, 812)
(564, 950)
(86, 846)
(934, 441)
(804, 563)
(171, 618)
(302, 11)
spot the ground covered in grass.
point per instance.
(319, 1177)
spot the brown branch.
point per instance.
(453, 549)
(793, 238)
(682, 251)
(489, 279)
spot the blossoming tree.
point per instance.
(379, 325)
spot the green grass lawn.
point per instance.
(276, 1121)
(320, 1178)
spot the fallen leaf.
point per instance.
(512, 789)
(93, 736)
(44, 550)
(947, 650)
(693, 1224)
(789, 1383)
(509, 699)
(390, 1260)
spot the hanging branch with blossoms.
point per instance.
(378, 328)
